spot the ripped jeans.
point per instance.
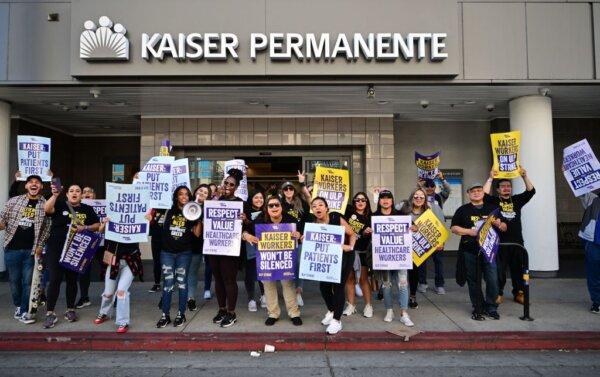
(175, 267)
(400, 279)
(120, 286)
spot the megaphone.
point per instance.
(192, 211)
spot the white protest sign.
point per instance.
(581, 168)
(157, 178)
(242, 190)
(222, 227)
(34, 156)
(181, 173)
(126, 208)
(321, 255)
(392, 243)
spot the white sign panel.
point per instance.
(392, 243)
(181, 173)
(321, 255)
(34, 156)
(157, 178)
(126, 209)
(242, 190)
(581, 168)
(222, 227)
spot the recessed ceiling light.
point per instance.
(470, 102)
(253, 102)
(382, 102)
(118, 103)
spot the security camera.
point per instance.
(490, 107)
(424, 103)
(544, 92)
(83, 105)
(95, 93)
(371, 91)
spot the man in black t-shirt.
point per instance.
(510, 209)
(465, 223)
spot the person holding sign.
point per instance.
(201, 194)
(225, 267)
(358, 216)
(256, 202)
(333, 293)
(386, 207)
(157, 221)
(64, 215)
(506, 152)
(465, 223)
(274, 215)
(176, 254)
(27, 229)
(590, 234)
(510, 257)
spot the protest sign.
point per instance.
(222, 227)
(427, 165)
(581, 168)
(156, 177)
(242, 190)
(333, 185)
(505, 148)
(181, 173)
(391, 242)
(276, 256)
(126, 209)
(488, 238)
(430, 235)
(99, 206)
(321, 256)
(79, 251)
(33, 153)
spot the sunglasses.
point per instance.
(229, 184)
(274, 205)
(418, 197)
(289, 188)
(360, 200)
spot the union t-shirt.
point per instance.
(24, 236)
(466, 216)
(510, 210)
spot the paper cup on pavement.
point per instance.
(269, 348)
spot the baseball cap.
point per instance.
(386, 194)
(34, 176)
(474, 185)
(287, 184)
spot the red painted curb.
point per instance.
(346, 341)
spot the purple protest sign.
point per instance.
(78, 255)
(488, 238)
(427, 165)
(276, 256)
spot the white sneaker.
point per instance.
(27, 319)
(18, 313)
(263, 301)
(368, 312)
(327, 319)
(357, 290)
(299, 299)
(350, 309)
(389, 315)
(440, 290)
(422, 288)
(252, 306)
(405, 319)
(207, 295)
(334, 327)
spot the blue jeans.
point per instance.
(490, 276)
(439, 269)
(207, 274)
(592, 270)
(400, 279)
(19, 264)
(112, 289)
(192, 279)
(174, 268)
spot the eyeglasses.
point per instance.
(418, 197)
(274, 205)
(288, 188)
(360, 200)
(229, 184)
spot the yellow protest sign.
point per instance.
(430, 235)
(505, 148)
(333, 185)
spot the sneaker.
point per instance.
(219, 317)
(252, 306)
(27, 319)
(263, 301)
(327, 319)
(83, 302)
(101, 318)
(520, 297)
(155, 288)
(499, 299)
(358, 290)
(164, 320)
(493, 314)
(50, 321)
(477, 317)
(18, 313)
(191, 304)
(122, 329)
(405, 319)
(350, 309)
(368, 312)
(334, 327)
(422, 288)
(207, 295)
(71, 316)
(389, 315)
(440, 290)
(179, 320)
(271, 321)
(595, 309)
(297, 321)
(412, 303)
(229, 320)
(299, 299)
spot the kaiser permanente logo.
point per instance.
(106, 42)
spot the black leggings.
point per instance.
(225, 270)
(156, 245)
(55, 277)
(334, 293)
(250, 279)
(413, 280)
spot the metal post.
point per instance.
(525, 269)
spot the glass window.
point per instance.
(118, 173)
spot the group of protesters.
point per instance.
(36, 225)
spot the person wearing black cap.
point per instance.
(465, 224)
(256, 201)
(27, 229)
